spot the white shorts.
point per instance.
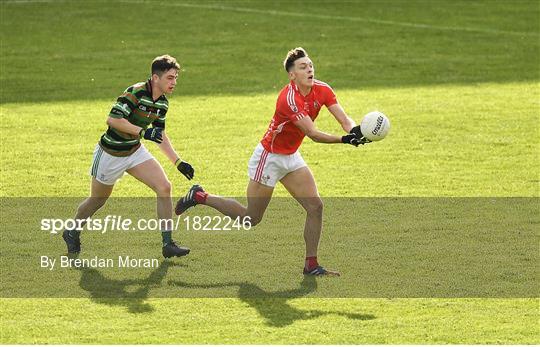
(269, 168)
(108, 169)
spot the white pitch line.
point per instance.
(322, 16)
(303, 15)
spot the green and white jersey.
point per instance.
(137, 106)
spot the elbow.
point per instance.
(313, 135)
(110, 121)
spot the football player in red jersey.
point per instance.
(276, 158)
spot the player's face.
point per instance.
(303, 72)
(167, 81)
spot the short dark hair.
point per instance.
(292, 56)
(164, 63)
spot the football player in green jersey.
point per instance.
(139, 113)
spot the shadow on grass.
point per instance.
(130, 293)
(274, 306)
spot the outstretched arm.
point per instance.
(185, 168)
(167, 149)
(346, 122)
(308, 127)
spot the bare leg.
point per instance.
(152, 174)
(258, 196)
(302, 186)
(99, 193)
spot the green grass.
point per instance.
(459, 81)
(301, 321)
(445, 141)
(90, 50)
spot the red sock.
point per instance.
(311, 263)
(200, 197)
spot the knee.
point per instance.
(163, 188)
(314, 207)
(254, 220)
(100, 202)
(95, 203)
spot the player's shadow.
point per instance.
(131, 293)
(274, 306)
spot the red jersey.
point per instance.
(282, 136)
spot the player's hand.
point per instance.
(186, 169)
(356, 131)
(153, 134)
(351, 139)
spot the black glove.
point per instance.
(356, 131)
(152, 134)
(351, 139)
(186, 169)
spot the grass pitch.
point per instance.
(459, 80)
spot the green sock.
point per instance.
(166, 237)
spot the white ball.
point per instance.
(375, 126)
